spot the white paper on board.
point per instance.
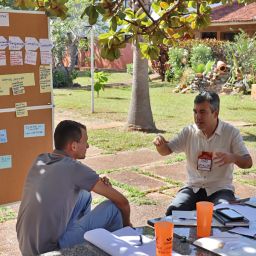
(34, 130)
(2, 58)
(3, 136)
(46, 58)
(15, 43)
(30, 57)
(5, 162)
(31, 44)
(4, 19)
(45, 45)
(16, 58)
(3, 43)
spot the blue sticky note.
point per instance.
(5, 162)
(3, 136)
(34, 130)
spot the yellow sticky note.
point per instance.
(4, 90)
(21, 109)
(18, 86)
(45, 78)
(6, 81)
(27, 78)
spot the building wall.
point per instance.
(84, 60)
(248, 28)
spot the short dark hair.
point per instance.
(66, 131)
(211, 97)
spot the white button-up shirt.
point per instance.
(192, 141)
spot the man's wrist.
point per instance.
(234, 159)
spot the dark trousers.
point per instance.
(186, 199)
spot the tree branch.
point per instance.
(145, 10)
(156, 22)
(131, 22)
(118, 6)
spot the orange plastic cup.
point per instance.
(204, 212)
(164, 237)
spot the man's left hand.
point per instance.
(220, 158)
(106, 181)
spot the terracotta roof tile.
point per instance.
(234, 13)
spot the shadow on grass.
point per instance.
(155, 131)
(241, 108)
(115, 98)
(249, 137)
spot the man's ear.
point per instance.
(216, 113)
(73, 145)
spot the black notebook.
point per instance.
(241, 222)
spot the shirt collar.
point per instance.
(217, 131)
(219, 127)
(60, 152)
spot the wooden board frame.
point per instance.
(40, 108)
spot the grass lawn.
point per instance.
(115, 77)
(171, 112)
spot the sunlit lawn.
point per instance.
(114, 77)
(171, 112)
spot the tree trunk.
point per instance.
(140, 115)
(73, 51)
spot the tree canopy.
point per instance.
(164, 22)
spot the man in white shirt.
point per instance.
(212, 147)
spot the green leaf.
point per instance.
(191, 18)
(83, 13)
(156, 7)
(97, 86)
(105, 36)
(93, 15)
(87, 10)
(121, 15)
(176, 35)
(100, 9)
(193, 24)
(202, 8)
(129, 12)
(113, 24)
(142, 16)
(191, 4)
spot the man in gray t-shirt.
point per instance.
(55, 209)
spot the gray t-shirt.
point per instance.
(50, 194)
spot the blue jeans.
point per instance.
(186, 199)
(105, 215)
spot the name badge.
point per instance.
(204, 161)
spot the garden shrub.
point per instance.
(200, 54)
(101, 79)
(87, 73)
(169, 75)
(242, 51)
(62, 79)
(199, 68)
(177, 60)
(217, 47)
(129, 68)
